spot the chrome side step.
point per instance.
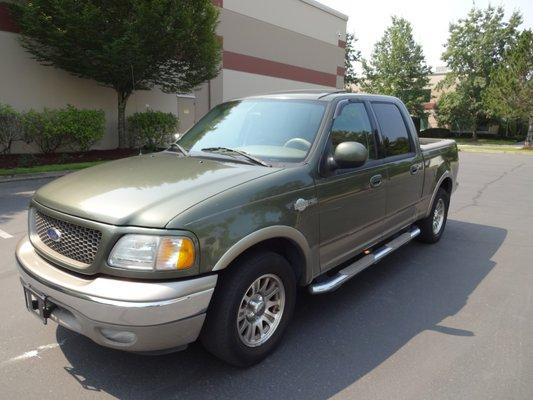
(351, 270)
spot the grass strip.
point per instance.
(47, 168)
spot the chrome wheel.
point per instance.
(260, 310)
(438, 216)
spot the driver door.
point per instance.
(351, 201)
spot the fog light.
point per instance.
(114, 335)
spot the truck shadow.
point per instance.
(334, 339)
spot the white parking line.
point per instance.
(5, 235)
(27, 193)
(34, 353)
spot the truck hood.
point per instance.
(146, 190)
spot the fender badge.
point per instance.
(302, 204)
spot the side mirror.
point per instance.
(349, 155)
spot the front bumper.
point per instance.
(122, 314)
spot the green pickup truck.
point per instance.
(211, 238)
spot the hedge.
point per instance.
(151, 129)
(65, 127)
(10, 127)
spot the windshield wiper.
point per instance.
(175, 146)
(240, 152)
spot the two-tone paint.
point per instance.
(228, 207)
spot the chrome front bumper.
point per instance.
(122, 314)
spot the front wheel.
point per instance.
(432, 227)
(251, 308)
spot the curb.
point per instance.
(29, 177)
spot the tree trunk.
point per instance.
(123, 142)
(474, 131)
(529, 138)
(507, 128)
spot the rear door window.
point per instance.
(394, 132)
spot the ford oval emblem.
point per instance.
(54, 234)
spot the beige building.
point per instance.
(431, 106)
(267, 46)
(436, 92)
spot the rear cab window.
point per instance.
(394, 133)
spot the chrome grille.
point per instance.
(76, 242)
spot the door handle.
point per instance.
(415, 168)
(376, 181)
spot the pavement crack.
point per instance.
(486, 185)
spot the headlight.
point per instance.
(148, 252)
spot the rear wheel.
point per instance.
(251, 308)
(432, 227)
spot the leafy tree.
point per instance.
(126, 45)
(398, 67)
(454, 110)
(510, 92)
(475, 47)
(351, 56)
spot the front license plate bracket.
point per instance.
(37, 303)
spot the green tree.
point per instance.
(351, 56)
(398, 68)
(510, 92)
(454, 110)
(126, 45)
(476, 45)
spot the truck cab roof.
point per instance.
(322, 95)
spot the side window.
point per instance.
(393, 130)
(353, 125)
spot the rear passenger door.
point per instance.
(351, 200)
(404, 164)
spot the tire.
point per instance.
(428, 232)
(230, 313)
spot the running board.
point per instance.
(333, 282)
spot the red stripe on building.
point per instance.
(341, 71)
(341, 43)
(218, 3)
(7, 23)
(260, 66)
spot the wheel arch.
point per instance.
(284, 240)
(447, 185)
(446, 182)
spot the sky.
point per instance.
(430, 19)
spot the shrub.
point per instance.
(10, 127)
(152, 129)
(81, 128)
(68, 127)
(39, 128)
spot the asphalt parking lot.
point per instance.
(448, 321)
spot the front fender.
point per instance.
(230, 223)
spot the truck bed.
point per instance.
(429, 144)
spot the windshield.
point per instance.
(271, 130)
